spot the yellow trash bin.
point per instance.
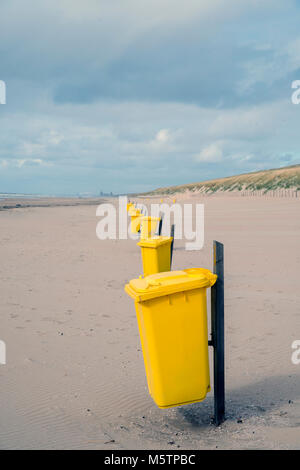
(132, 209)
(129, 205)
(149, 226)
(172, 319)
(136, 217)
(156, 254)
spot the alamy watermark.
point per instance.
(188, 219)
(296, 354)
(2, 92)
(2, 353)
(296, 94)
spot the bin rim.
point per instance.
(170, 282)
(151, 217)
(154, 242)
(135, 213)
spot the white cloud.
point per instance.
(31, 161)
(55, 138)
(162, 136)
(251, 122)
(211, 153)
(31, 148)
(281, 61)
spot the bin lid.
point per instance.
(154, 242)
(150, 217)
(160, 284)
(134, 212)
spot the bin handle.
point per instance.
(153, 282)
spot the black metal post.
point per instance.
(172, 243)
(160, 225)
(217, 326)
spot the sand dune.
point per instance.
(277, 182)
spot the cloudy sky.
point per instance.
(130, 95)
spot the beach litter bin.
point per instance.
(156, 254)
(132, 209)
(149, 226)
(136, 217)
(172, 319)
(129, 205)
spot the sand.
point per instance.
(21, 203)
(75, 377)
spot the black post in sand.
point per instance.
(160, 225)
(172, 243)
(217, 326)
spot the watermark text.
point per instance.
(296, 354)
(2, 92)
(117, 223)
(296, 94)
(2, 353)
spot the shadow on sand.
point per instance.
(259, 399)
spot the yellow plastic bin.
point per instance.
(149, 226)
(132, 209)
(136, 217)
(129, 205)
(172, 319)
(156, 254)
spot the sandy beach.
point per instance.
(75, 376)
(23, 203)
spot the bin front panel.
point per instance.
(156, 260)
(131, 210)
(149, 226)
(164, 258)
(135, 223)
(173, 331)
